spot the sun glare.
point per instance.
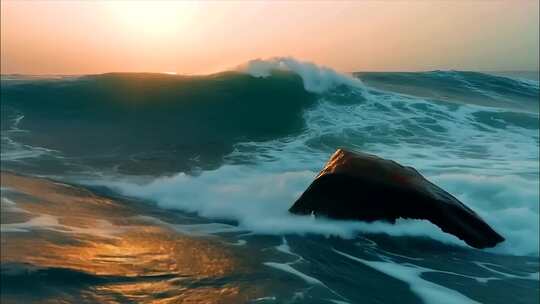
(156, 18)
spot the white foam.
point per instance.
(338, 301)
(41, 222)
(15, 151)
(508, 203)
(288, 268)
(428, 291)
(284, 248)
(316, 78)
(490, 267)
(48, 222)
(264, 299)
(259, 202)
(258, 197)
(8, 202)
(494, 170)
(204, 229)
(239, 243)
(8, 205)
(500, 181)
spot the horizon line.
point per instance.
(172, 73)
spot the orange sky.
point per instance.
(72, 37)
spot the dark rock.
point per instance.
(359, 186)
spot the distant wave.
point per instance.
(461, 87)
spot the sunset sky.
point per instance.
(71, 37)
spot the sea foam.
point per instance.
(493, 168)
(316, 78)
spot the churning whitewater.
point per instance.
(237, 148)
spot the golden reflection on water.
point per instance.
(101, 237)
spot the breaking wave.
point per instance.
(242, 145)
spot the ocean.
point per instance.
(158, 188)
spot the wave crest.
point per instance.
(316, 78)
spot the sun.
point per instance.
(154, 18)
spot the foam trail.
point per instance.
(429, 292)
(287, 268)
(258, 201)
(488, 266)
(102, 228)
(317, 79)
(15, 151)
(508, 203)
(258, 198)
